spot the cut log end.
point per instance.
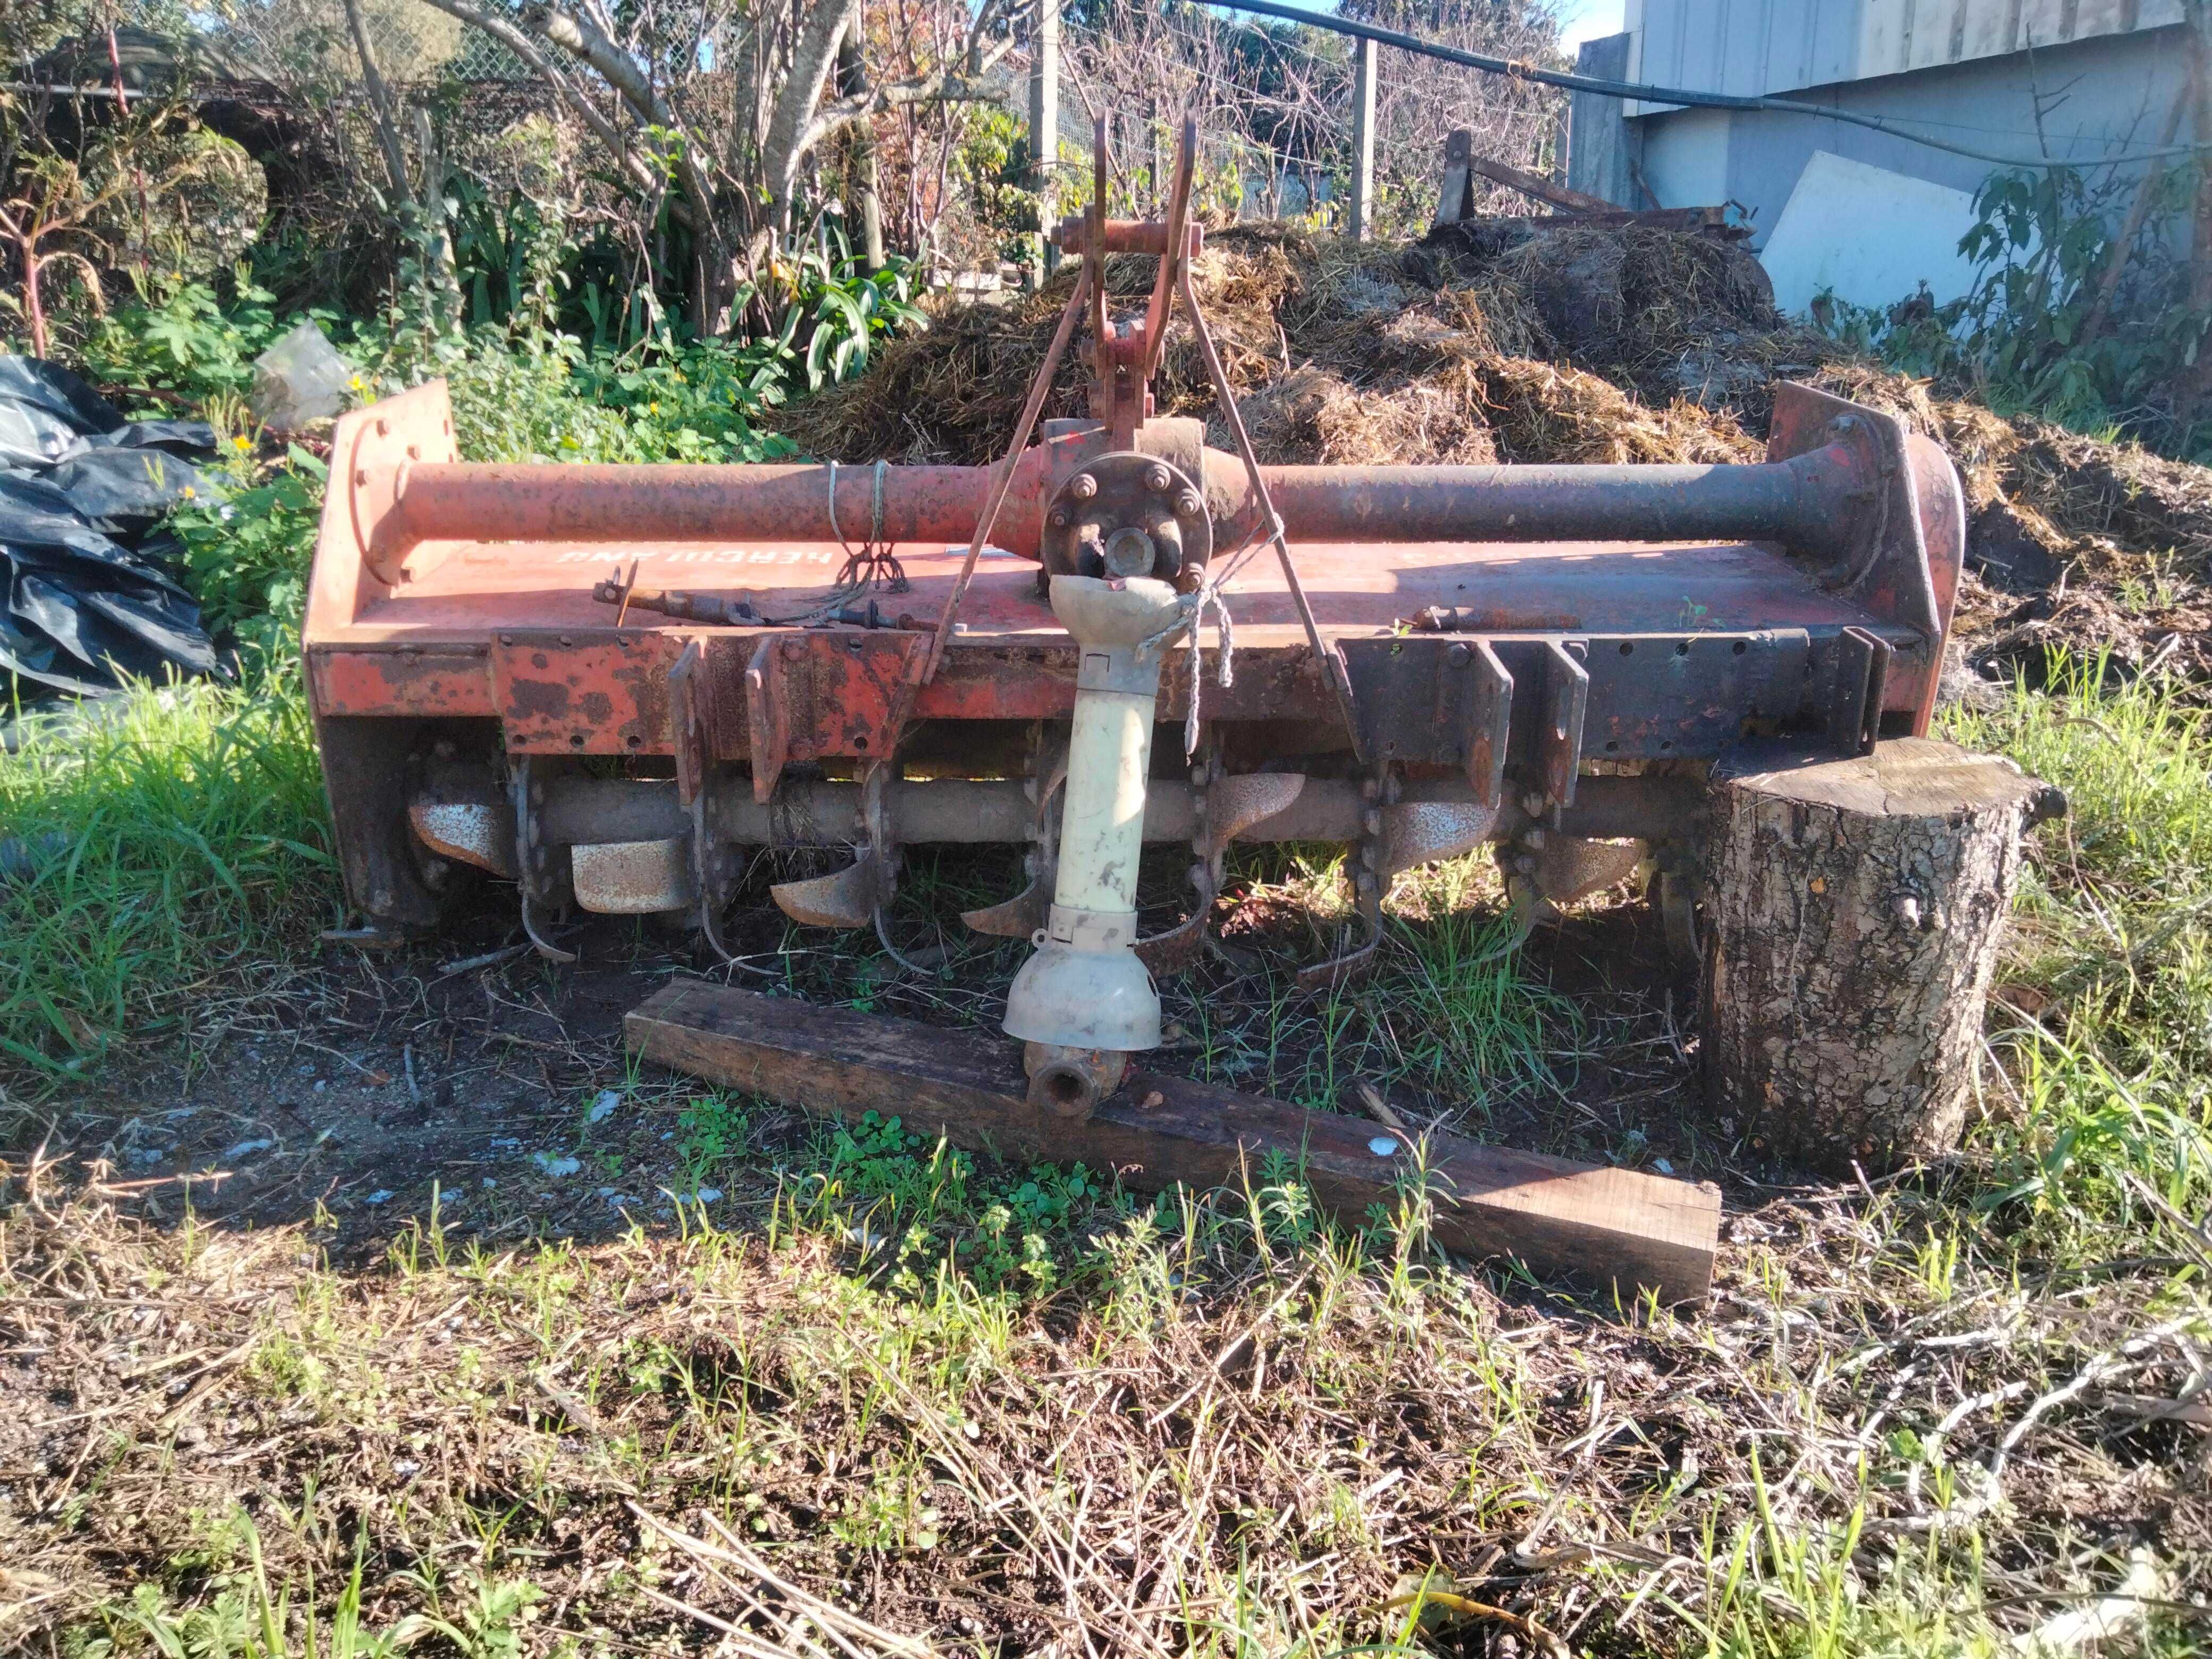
(1855, 910)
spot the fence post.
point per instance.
(1363, 141)
(1452, 195)
(1045, 129)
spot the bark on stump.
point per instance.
(1853, 913)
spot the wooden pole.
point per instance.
(1363, 141)
(852, 77)
(1618, 1230)
(2116, 262)
(1853, 913)
(1044, 130)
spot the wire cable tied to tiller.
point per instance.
(874, 560)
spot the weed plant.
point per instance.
(2020, 340)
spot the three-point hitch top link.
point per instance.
(1126, 355)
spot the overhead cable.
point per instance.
(1520, 70)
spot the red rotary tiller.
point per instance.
(1413, 661)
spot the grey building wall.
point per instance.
(1601, 147)
(2076, 102)
(1780, 45)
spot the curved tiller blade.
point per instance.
(1423, 831)
(1174, 951)
(1343, 969)
(1234, 805)
(846, 899)
(1019, 917)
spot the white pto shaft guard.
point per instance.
(1084, 1003)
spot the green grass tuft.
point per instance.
(2098, 1133)
(159, 838)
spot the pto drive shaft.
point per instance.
(1084, 1004)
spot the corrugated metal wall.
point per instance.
(1753, 46)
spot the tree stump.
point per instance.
(1853, 913)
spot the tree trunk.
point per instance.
(1854, 910)
(853, 80)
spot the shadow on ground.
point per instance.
(467, 1071)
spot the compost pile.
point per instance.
(1506, 340)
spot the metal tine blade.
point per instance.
(1017, 917)
(847, 898)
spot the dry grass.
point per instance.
(866, 1385)
(1223, 1430)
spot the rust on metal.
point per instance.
(401, 680)
(767, 718)
(1489, 717)
(475, 832)
(632, 878)
(573, 694)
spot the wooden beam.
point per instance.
(1530, 184)
(1618, 1230)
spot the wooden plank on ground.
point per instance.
(1615, 1230)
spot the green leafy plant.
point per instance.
(248, 544)
(2033, 336)
(840, 309)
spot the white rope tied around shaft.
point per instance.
(1190, 616)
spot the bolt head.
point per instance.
(1083, 486)
(1532, 803)
(1189, 505)
(1159, 480)
(1059, 518)
(1459, 656)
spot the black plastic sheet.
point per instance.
(85, 590)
